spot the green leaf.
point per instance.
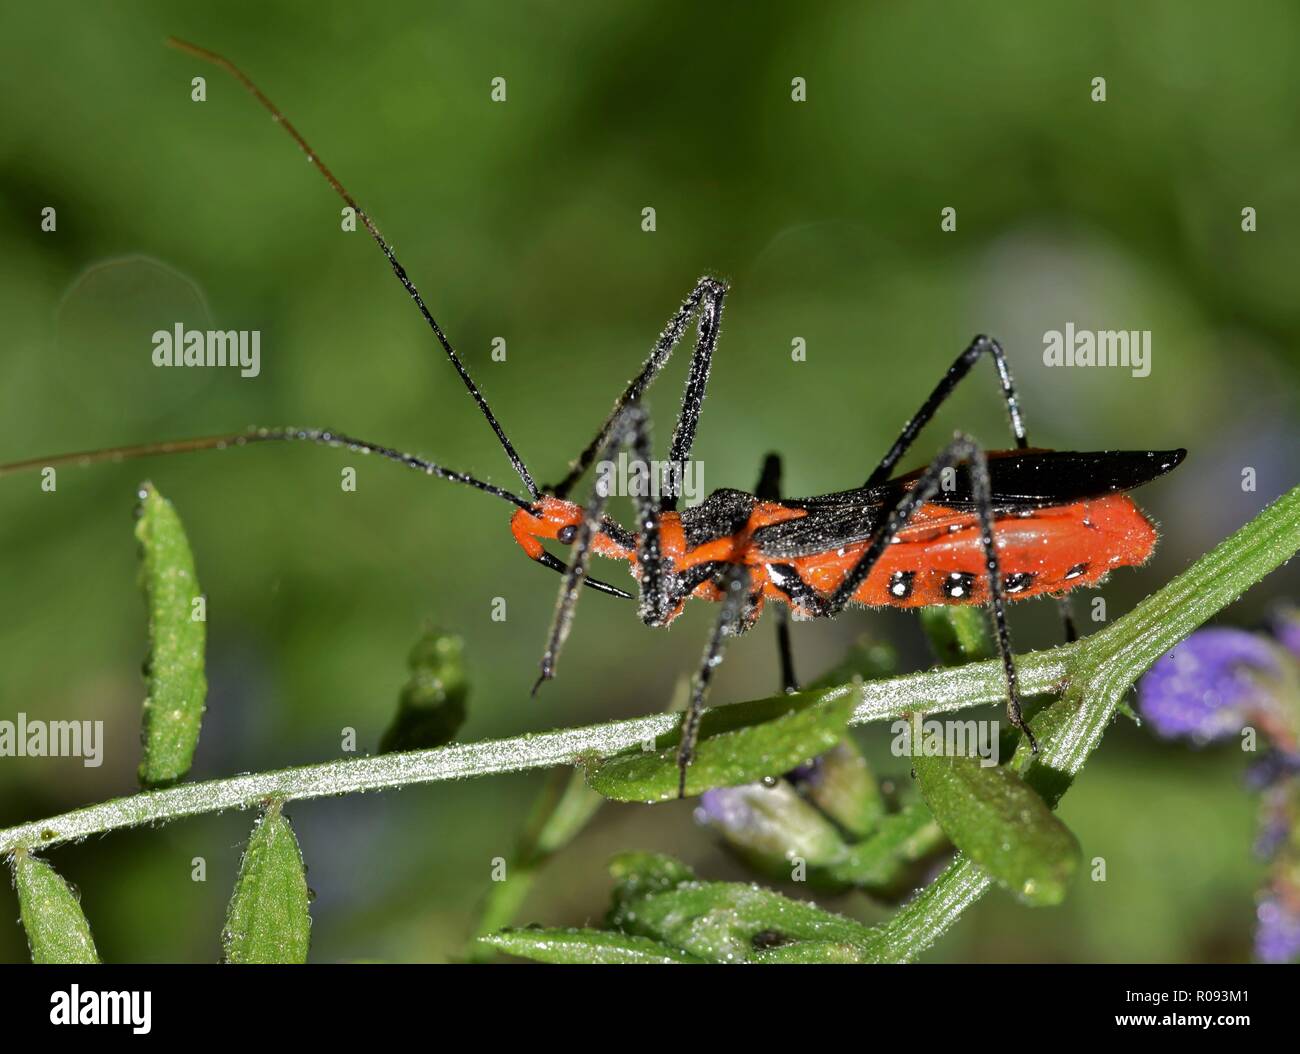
(177, 687)
(638, 873)
(267, 920)
(662, 913)
(583, 946)
(57, 930)
(431, 707)
(1001, 824)
(730, 922)
(807, 727)
(883, 863)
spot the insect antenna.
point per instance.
(320, 166)
(263, 435)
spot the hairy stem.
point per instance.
(1097, 671)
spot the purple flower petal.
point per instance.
(1286, 628)
(770, 822)
(1277, 937)
(726, 808)
(1272, 768)
(1204, 686)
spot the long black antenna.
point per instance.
(263, 435)
(407, 284)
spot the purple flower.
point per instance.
(770, 822)
(1286, 628)
(1271, 769)
(1216, 683)
(726, 808)
(1277, 936)
(1207, 687)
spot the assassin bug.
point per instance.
(1010, 525)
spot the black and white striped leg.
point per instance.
(706, 299)
(769, 489)
(961, 451)
(731, 621)
(981, 345)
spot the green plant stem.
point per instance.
(936, 691)
(1096, 670)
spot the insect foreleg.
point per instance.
(630, 428)
(706, 299)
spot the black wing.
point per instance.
(1018, 479)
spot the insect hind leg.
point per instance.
(769, 489)
(957, 372)
(963, 450)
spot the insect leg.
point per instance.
(981, 345)
(769, 489)
(706, 299)
(735, 588)
(962, 450)
(630, 428)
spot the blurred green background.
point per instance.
(522, 220)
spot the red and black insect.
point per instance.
(970, 528)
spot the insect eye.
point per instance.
(565, 534)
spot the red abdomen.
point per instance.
(938, 558)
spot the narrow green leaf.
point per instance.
(726, 759)
(637, 873)
(732, 922)
(584, 946)
(57, 930)
(809, 952)
(178, 688)
(1001, 824)
(431, 707)
(267, 920)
